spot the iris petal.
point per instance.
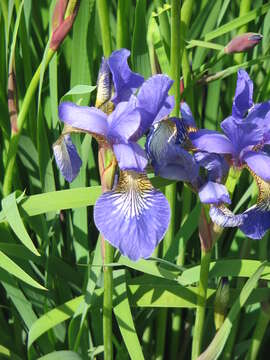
(187, 116)
(123, 122)
(243, 95)
(133, 217)
(153, 101)
(211, 141)
(216, 165)
(256, 223)
(130, 156)
(214, 193)
(125, 81)
(67, 158)
(223, 217)
(242, 134)
(259, 163)
(84, 117)
(168, 158)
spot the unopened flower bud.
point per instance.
(221, 302)
(62, 21)
(104, 88)
(243, 43)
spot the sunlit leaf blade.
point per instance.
(13, 217)
(63, 355)
(11, 267)
(121, 309)
(237, 267)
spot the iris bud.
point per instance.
(63, 18)
(221, 302)
(242, 43)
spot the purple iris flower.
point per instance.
(243, 136)
(167, 146)
(93, 120)
(133, 216)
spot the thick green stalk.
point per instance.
(201, 303)
(258, 335)
(14, 141)
(103, 14)
(107, 303)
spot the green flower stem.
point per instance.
(103, 14)
(170, 191)
(107, 302)
(14, 141)
(258, 335)
(186, 12)
(122, 35)
(245, 6)
(175, 54)
(201, 303)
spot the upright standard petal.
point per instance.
(130, 156)
(259, 163)
(125, 81)
(153, 100)
(243, 95)
(133, 217)
(84, 118)
(66, 157)
(242, 135)
(214, 193)
(211, 141)
(260, 115)
(123, 122)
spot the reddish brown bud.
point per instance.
(59, 13)
(61, 25)
(243, 43)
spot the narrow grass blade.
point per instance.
(215, 348)
(238, 22)
(139, 53)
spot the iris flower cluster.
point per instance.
(134, 216)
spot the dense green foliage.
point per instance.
(51, 275)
